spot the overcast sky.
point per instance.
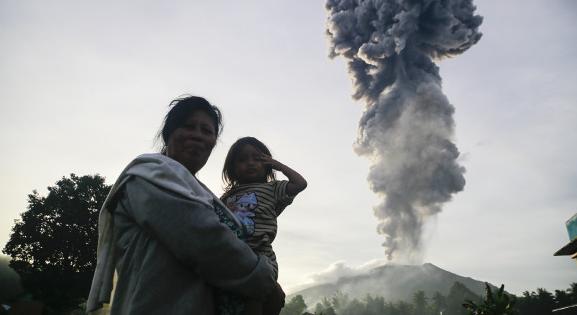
(84, 86)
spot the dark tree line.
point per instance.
(341, 304)
(459, 301)
(542, 301)
(53, 245)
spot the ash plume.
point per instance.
(407, 127)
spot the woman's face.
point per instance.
(192, 143)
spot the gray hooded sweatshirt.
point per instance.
(159, 231)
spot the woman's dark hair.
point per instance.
(180, 110)
(228, 176)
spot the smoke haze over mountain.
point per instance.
(391, 281)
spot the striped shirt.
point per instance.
(257, 206)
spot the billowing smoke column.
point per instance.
(407, 126)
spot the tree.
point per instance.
(542, 301)
(391, 309)
(376, 305)
(562, 298)
(324, 308)
(573, 292)
(457, 294)
(499, 304)
(321, 310)
(354, 307)
(404, 308)
(53, 245)
(296, 306)
(339, 300)
(439, 303)
(545, 300)
(419, 303)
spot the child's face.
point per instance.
(248, 166)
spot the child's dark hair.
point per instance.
(180, 110)
(228, 176)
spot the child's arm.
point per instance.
(296, 182)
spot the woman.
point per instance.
(160, 228)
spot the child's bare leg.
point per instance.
(253, 307)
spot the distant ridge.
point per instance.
(393, 282)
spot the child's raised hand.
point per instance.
(267, 160)
(296, 182)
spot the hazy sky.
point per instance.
(84, 87)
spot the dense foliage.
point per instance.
(542, 301)
(494, 303)
(53, 245)
(499, 303)
(341, 304)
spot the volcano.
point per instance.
(394, 283)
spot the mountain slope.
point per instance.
(393, 282)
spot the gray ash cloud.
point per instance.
(407, 127)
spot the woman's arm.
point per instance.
(193, 233)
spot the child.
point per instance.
(257, 198)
